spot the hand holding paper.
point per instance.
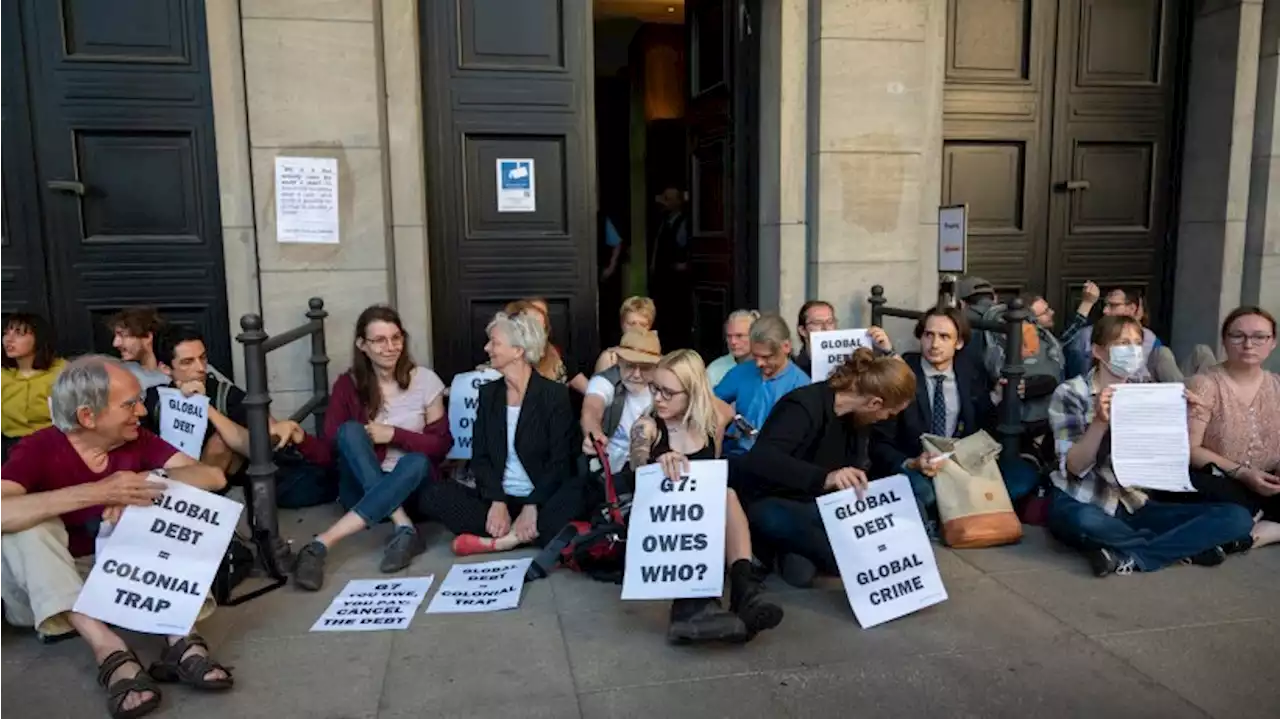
(1149, 443)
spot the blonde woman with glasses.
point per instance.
(683, 426)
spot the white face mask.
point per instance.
(1125, 360)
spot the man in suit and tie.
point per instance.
(951, 401)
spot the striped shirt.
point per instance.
(1070, 413)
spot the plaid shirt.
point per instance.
(1070, 413)
(1069, 333)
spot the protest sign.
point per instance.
(370, 605)
(881, 548)
(154, 571)
(675, 542)
(953, 236)
(829, 349)
(464, 399)
(183, 420)
(483, 587)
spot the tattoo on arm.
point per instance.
(640, 446)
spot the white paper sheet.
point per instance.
(482, 587)
(307, 200)
(1149, 443)
(828, 350)
(675, 542)
(183, 420)
(371, 605)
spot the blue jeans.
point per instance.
(1157, 535)
(791, 526)
(363, 487)
(1020, 480)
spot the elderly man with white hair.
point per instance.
(737, 337)
(58, 486)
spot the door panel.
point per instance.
(508, 79)
(127, 169)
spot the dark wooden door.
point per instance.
(125, 167)
(509, 79)
(722, 87)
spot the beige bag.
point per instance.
(973, 503)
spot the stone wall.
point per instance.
(1261, 284)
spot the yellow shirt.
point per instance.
(24, 401)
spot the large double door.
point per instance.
(110, 179)
(1059, 133)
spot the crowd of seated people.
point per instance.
(80, 438)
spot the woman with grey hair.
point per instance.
(521, 452)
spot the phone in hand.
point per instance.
(742, 425)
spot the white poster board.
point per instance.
(371, 605)
(884, 555)
(828, 350)
(517, 186)
(483, 587)
(155, 569)
(953, 238)
(183, 420)
(307, 200)
(675, 542)
(464, 400)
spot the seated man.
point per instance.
(752, 388)
(815, 316)
(1119, 303)
(619, 396)
(58, 485)
(950, 402)
(134, 331)
(736, 337)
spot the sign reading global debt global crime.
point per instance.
(481, 587)
(675, 542)
(829, 349)
(154, 571)
(183, 420)
(370, 605)
(884, 555)
(464, 400)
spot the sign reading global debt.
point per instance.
(464, 400)
(675, 543)
(829, 349)
(884, 555)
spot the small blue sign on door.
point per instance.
(517, 187)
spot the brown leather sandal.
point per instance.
(175, 666)
(120, 689)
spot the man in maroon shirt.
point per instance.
(59, 484)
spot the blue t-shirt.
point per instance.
(754, 396)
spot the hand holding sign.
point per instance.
(846, 478)
(674, 465)
(676, 537)
(129, 488)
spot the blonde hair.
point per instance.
(549, 364)
(642, 306)
(700, 415)
(888, 378)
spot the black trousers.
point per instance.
(462, 510)
(1226, 489)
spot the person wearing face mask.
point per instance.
(816, 441)
(1122, 529)
(752, 388)
(684, 426)
(737, 338)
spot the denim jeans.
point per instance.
(1020, 480)
(363, 487)
(1157, 535)
(791, 526)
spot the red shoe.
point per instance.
(465, 544)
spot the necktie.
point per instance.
(938, 427)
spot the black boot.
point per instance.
(746, 599)
(703, 620)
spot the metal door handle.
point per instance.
(76, 188)
(1074, 185)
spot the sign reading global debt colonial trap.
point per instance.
(675, 543)
(464, 400)
(829, 349)
(481, 587)
(153, 573)
(884, 555)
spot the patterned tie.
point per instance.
(938, 427)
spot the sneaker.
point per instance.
(746, 599)
(704, 620)
(797, 571)
(1208, 558)
(1108, 561)
(1239, 546)
(405, 544)
(308, 566)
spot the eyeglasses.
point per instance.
(821, 325)
(1240, 338)
(382, 343)
(663, 393)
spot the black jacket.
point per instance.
(896, 440)
(801, 442)
(544, 438)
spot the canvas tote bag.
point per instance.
(973, 503)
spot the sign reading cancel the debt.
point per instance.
(829, 349)
(464, 400)
(183, 420)
(370, 605)
(153, 573)
(884, 555)
(675, 543)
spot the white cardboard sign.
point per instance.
(482, 587)
(156, 567)
(953, 237)
(675, 542)
(517, 185)
(884, 555)
(371, 605)
(183, 420)
(464, 400)
(828, 349)
(307, 200)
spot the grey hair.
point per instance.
(84, 382)
(748, 315)
(522, 331)
(770, 329)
